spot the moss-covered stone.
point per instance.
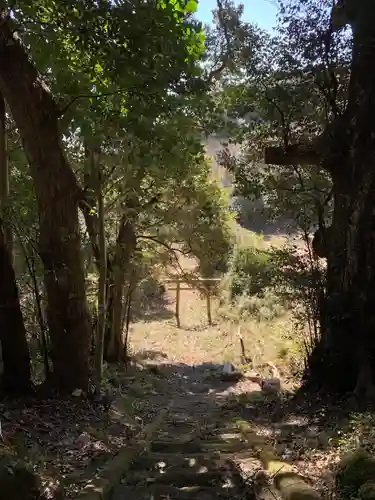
(354, 471)
(367, 491)
(289, 484)
(16, 481)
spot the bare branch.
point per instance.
(164, 244)
(215, 73)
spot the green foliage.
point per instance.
(354, 471)
(206, 228)
(193, 217)
(252, 272)
(288, 96)
(127, 77)
(118, 71)
(265, 282)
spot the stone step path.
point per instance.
(192, 457)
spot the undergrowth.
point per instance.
(273, 284)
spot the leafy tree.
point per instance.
(36, 113)
(160, 193)
(339, 143)
(131, 155)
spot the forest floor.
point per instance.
(68, 441)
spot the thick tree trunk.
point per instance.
(15, 352)
(14, 348)
(344, 360)
(36, 116)
(4, 176)
(340, 360)
(125, 246)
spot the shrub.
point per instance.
(264, 282)
(251, 272)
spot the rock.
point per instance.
(230, 374)
(232, 377)
(77, 393)
(271, 385)
(228, 368)
(53, 492)
(18, 482)
(83, 440)
(253, 377)
(208, 367)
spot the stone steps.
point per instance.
(197, 463)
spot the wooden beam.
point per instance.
(178, 305)
(102, 484)
(192, 280)
(298, 154)
(208, 302)
(182, 288)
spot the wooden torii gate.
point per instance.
(193, 282)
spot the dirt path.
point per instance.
(199, 454)
(198, 450)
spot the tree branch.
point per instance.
(89, 96)
(214, 74)
(163, 244)
(91, 221)
(172, 251)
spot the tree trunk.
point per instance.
(125, 246)
(100, 330)
(344, 359)
(14, 348)
(4, 177)
(36, 116)
(15, 352)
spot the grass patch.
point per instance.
(197, 342)
(247, 301)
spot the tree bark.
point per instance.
(126, 242)
(15, 351)
(344, 359)
(36, 116)
(4, 174)
(14, 347)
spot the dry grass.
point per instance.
(196, 342)
(245, 238)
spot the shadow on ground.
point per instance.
(195, 454)
(152, 309)
(150, 355)
(307, 431)
(67, 440)
(200, 327)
